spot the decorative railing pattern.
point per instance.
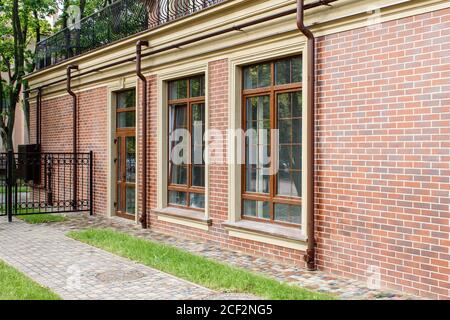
(37, 183)
(117, 21)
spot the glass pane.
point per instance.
(258, 108)
(264, 75)
(177, 198)
(198, 131)
(288, 213)
(178, 135)
(264, 187)
(181, 116)
(126, 99)
(197, 85)
(297, 130)
(198, 176)
(284, 106)
(197, 200)
(284, 183)
(250, 77)
(256, 180)
(256, 209)
(119, 158)
(288, 71)
(285, 131)
(297, 70)
(198, 155)
(250, 179)
(252, 110)
(297, 186)
(130, 200)
(198, 113)
(131, 159)
(285, 157)
(258, 76)
(296, 104)
(283, 72)
(179, 175)
(178, 89)
(289, 117)
(296, 157)
(258, 130)
(126, 119)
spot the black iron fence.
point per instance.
(119, 20)
(37, 183)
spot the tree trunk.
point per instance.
(15, 80)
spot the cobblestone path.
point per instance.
(320, 281)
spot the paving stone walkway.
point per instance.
(320, 281)
(49, 257)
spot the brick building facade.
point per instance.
(382, 159)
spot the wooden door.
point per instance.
(126, 174)
(125, 159)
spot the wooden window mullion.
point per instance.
(272, 145)
(189, 155)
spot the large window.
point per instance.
(272, 119)
(186, 187)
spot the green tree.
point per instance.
(22, 24)
(21, 21)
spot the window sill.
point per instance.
(185, 217)
(267, 233)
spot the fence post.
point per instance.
(10, 163)
(91, 183)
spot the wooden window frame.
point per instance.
(188, 189)
(124, 110)
(272, 198)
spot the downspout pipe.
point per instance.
(74, 133)
(310, 256)
(38, 116)
(139, 45)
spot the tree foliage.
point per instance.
(22, 25)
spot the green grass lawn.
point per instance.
(194, 268)
(21, 189)
(16, 286)
(41, 218)
(36, 218)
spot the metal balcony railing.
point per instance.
(117, 21)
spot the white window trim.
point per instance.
(121, 84)
(162, 118)
(289, 46)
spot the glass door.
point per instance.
(126, 175)
(125, 159)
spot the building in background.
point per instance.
(20, 131)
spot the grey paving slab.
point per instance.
(75, 270)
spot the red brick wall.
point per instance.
(383, 153)
(92, 122)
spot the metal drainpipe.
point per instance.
(139, 45)
(38, 116)
(74, 134)
(310, 256)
